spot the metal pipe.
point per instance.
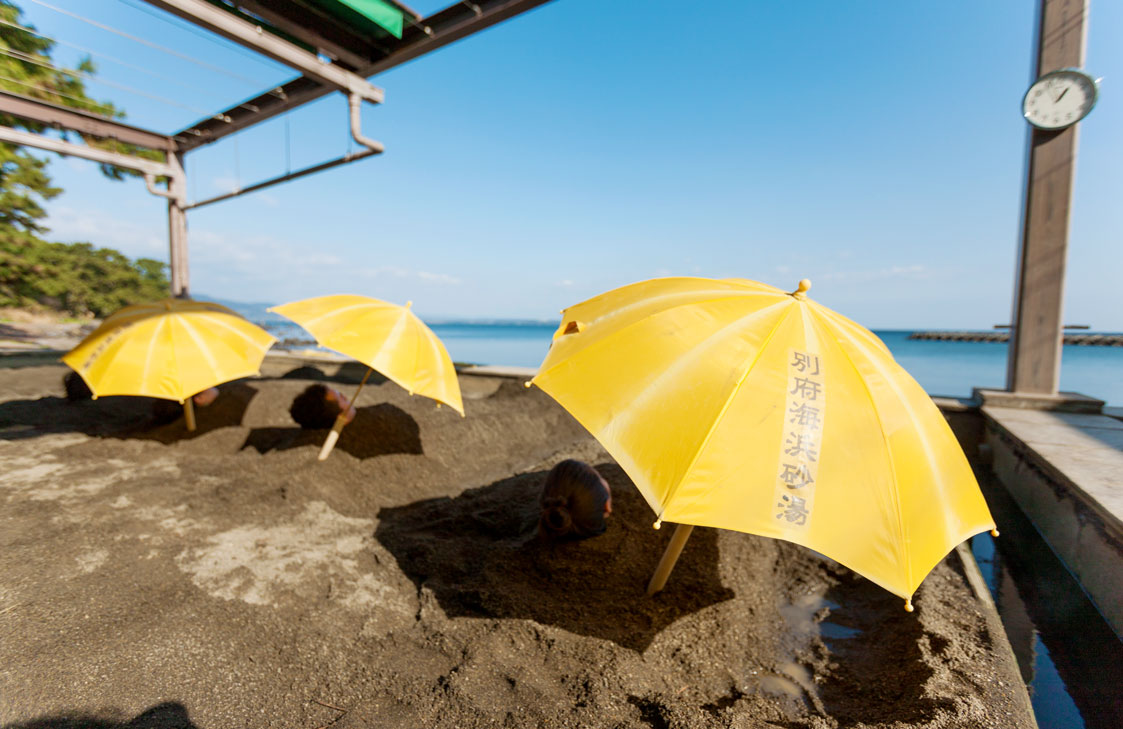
(286, 177)
(150, 183)
(357, 126)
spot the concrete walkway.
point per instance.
(1065, 470)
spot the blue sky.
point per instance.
(876, 148)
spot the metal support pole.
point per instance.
(177, 227)
(1034, 361)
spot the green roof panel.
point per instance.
(386, 16)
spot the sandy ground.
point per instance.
(22, 330)
(151, 578)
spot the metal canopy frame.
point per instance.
(338, 61)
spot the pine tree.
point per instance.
(78, 277)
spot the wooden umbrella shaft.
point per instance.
(340, 422)
(189, 413)
(670, 556)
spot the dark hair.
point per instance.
(573, 502)
(312, 410)
(76, 387)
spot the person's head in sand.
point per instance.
(575, 502)
(76, 388)
(318, 407)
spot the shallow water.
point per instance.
(941, 368)
(1069, 657)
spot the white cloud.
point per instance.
(267, 199)
(382, 271)
(226, 183)
(110, 230)
(910, 271)
(443, 278)
(783, 269)
(567, 282)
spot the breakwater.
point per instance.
(1083, 340)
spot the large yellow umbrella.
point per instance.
(169, 349)
(737, 405)
(383, 336)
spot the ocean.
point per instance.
(942, 368)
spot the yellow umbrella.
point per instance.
(169, 349)
(737, 405)
(383, 336)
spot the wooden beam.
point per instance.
(233, 28)
(28, 139)
(445, 27)
(83, 122)
(1034, 361)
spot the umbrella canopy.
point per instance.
(169, 349)
(737, 405)
(383, 336)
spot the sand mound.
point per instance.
(151, 577)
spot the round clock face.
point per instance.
(1059, 99)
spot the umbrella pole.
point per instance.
(670, 556)
(337, 428)
(189, 413)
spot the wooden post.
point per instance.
(670, 556)
(177, 227)
(1034, 361)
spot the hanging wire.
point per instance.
(46, 90)
(107, 57)
(150, 44)
(19, 56)
(288, 147)
(194, 177)
(237, 165)
(195, 30)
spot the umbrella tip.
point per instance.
(994, 532)
(528, 383)
(658, 523)
(802, 288)
(409, 304)
(908, 605)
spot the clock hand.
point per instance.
(1061, 96)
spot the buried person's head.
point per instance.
(318, 407)
(575, 502)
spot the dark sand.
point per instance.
(226, 579)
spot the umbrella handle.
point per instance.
(670, 556)
(340, 421)
(189, 413)
(333, 436)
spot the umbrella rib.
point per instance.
(892, 465)
(334, 312)
(724, 407)
(202, 344)
(245, 335)
(151, 346)
(637, 322)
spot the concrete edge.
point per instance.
(986, 601)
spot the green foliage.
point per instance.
(26, 68)
(74, 277)
(78, 278)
